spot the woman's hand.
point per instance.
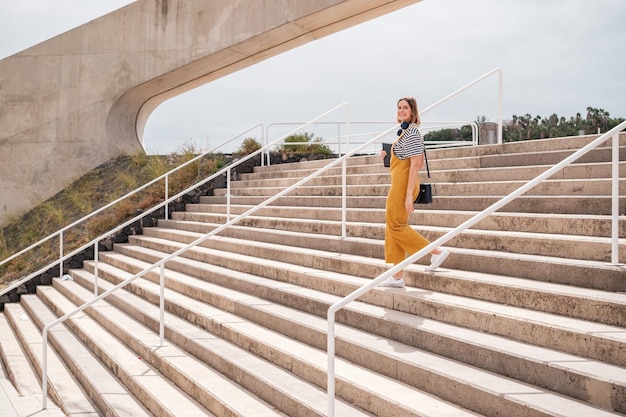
(383, 154)
(413, 180)
(408, 204)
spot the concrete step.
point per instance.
(535, 243)
(527, 153)
(17, 366)
(16, 404)
(372, 174)
(575, 171)
(226, 336)
(591, 274)
(110, 396)
(63, 388)
(574, 187)
(572, 143)
(471, 179)
(588, 225)
(547, 158)
(524, 325)
(595, 205)
(533, 152)
(531, 158)
(173, 366)
(420, 368)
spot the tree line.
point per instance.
(527, 127)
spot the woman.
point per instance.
(407, 158)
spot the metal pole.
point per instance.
(331, 364)
(95, 272)
(162, 306)
(44, 371)
(228, 173)
(61, 254)
(344, 198)
(166, 196)
(339, 140)
(344, 175)
(500, 95)
(615, 202)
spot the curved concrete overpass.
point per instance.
(81, 98)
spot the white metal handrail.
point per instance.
(161, 263)
(614, 133)
(94, 242)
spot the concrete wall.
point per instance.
(81, 98)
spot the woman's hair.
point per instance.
(414, 110)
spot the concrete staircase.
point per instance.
(526, 317)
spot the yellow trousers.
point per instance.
(400, 239)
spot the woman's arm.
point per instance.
(416, 164)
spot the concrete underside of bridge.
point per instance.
(75, 101)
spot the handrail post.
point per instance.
(615, 202)
(500, 95)
(339, 140)
(266, 141)
(95, 269)
(167, 187)
(228, 174)
(162, 305)
(344, 197)
(330, 374)
(44, 370)
(344, 178)
(61, 254)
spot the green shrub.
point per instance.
(304, 143)
(248, 146)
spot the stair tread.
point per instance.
(314, 397)
(15, 404)
(199, 374)
(592, 248)
(307, 253)
(486, 340)
(424, 228)
(610, 297)
(496, 262)
(513, 234)
(135, 368)
(22, 374)
(108, 387)
(604, 333)
(71, 397)
(434, 363)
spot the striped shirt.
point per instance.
(410, 144)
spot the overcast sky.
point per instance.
(557, 56)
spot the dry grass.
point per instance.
(96, 189)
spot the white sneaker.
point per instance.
(437, 260)
(392, 282)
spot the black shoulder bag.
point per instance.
(425, 195)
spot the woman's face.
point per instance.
(404, 111)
